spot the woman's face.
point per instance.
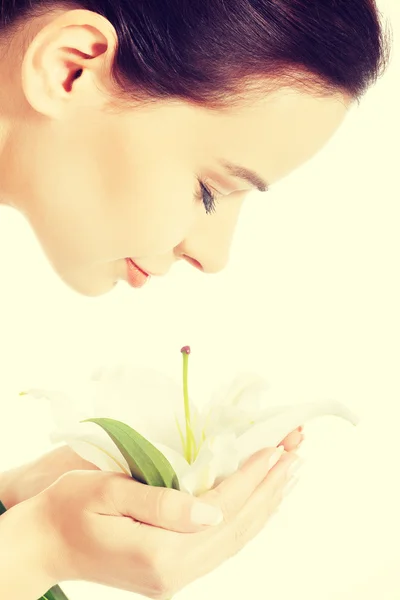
(100, 186)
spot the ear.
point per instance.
(69, 62)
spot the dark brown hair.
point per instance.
(208, 51)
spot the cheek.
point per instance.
(70, 186)
(82, 222)
(71, 238)
(159, 214)
(94, 203)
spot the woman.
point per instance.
(130, 134)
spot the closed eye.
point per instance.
(206, 196)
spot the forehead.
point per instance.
(276, 134)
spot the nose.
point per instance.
(207, 245)
(195, 263)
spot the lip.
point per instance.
(136, 277)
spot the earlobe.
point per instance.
(68, 63)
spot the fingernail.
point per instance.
(206, 514)
(290, 486)
(294, 467)
(275, 457)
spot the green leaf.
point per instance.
(147, 464)
(55, 593)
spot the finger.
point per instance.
(213, 547)
(232, 494)
(272, 486)
(265, 500)
(161, 507)
(293, 440)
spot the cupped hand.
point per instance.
(25, 481)
(109, 529)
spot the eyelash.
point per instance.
(207, 197)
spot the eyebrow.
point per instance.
(250, 176)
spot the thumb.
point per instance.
(161, 507)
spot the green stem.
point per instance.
(55, 593)
(187, 407)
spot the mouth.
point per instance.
(136, 277)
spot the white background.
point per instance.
(311, 300)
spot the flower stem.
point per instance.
(55, 593)
(189, 446)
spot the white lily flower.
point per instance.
(235, 424)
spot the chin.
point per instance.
(87, 287)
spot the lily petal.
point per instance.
(235, 406)
(96, 443)
(237, 422)
(245, 389)
(97, 456)
(64, 410)
(273, 430)
(145, 399)
(217, 459)
(177, 461)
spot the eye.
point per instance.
(207, 197)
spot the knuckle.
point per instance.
(256, 527)
(60, 507)
(62, 488)
(249, 525)
(162, 575)
(113, 492)
(114, 488)
(161, 595)
(162, 592)
(157, 500)
(225, 500)
(278, 497)
(270, 510)
(240, 537)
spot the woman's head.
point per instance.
(120, 118)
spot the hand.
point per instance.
(24, 482)
(109, 529)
